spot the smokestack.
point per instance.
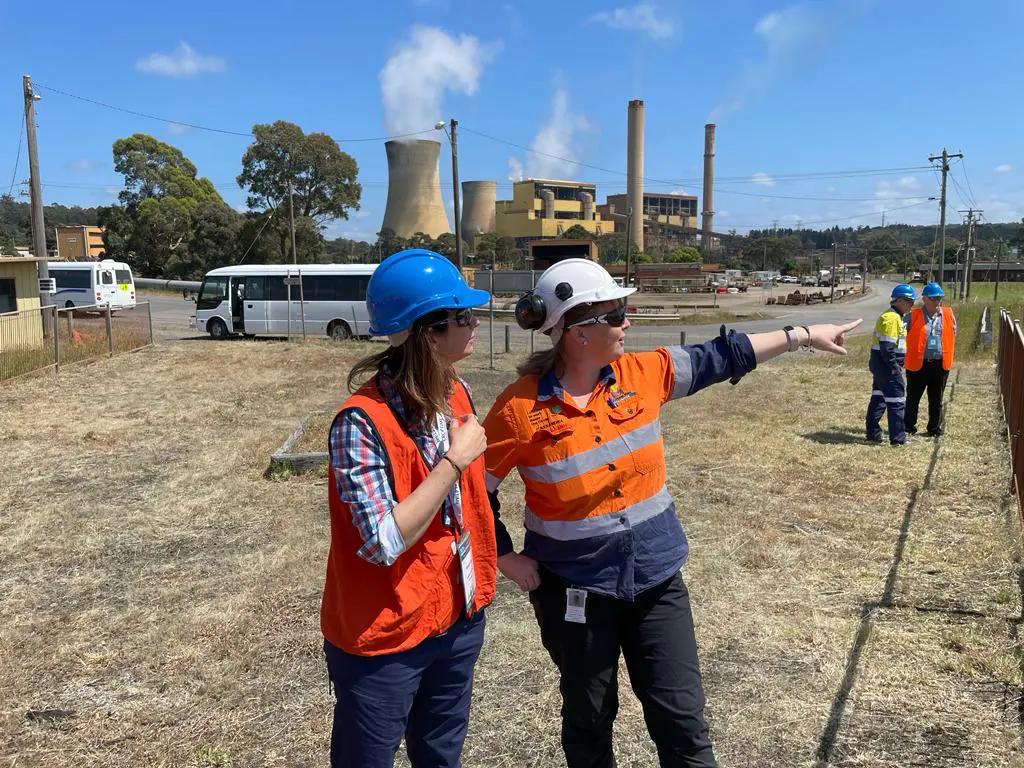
(548, 204)
(587, 200)
(635, 170)
(414, 189)
(708, 212)
(479, 199)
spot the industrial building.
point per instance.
(542, 208)
(414, 189)
(19, 296)
(80, 243)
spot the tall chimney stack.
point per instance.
(708, 211)
(635, 171)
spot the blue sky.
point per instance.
(820, 87)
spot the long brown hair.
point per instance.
(423, 377)
(540, 363)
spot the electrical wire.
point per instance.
(17, 155)
(255, 239)
(963, 167)
(246, 134)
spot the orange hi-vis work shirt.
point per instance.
(598, 512)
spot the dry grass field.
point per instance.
(159, 597)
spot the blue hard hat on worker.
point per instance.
(933, 291)
(903, 291)
(410, 284)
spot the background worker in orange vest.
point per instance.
(412, 560)
(931, 338)
(603, 544)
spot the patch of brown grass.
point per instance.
(157, 586)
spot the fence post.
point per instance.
(682, 338)
(508, 339)
(355, 324)
(110, 331)
(149, 315)
(56, 339)
(71, 322)
(490, 319)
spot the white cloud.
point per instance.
(763, 179)
(184, 61)
(84, 164)
(553, 155)
(793, 38)
(176, 129)
(678, 191)
(642, 17)
(426, 65)
(1004, 168)
(909, 182)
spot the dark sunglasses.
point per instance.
(463, 319)
(615, 318)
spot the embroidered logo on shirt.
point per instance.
(617, 396)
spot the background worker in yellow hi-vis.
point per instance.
(603, 544)
(888, 352)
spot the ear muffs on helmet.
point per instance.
(530, 312)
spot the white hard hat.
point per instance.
(561, 287)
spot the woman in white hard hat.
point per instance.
(604, 546)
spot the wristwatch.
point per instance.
(794, 340)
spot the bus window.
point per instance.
(213, 291)
(107, 277)
(255, 288)
(124, 277)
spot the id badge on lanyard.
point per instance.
(462, 545)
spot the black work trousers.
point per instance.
(932, 377)
(655, 635)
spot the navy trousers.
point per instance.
(423, 693)
(888, 394)
(655, 635)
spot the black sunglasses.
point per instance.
(463, 319)
(615, 318)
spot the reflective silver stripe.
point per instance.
(878, 392)
(602, 525)
(895, 399)
(683, 371)
(491, 482)
(890, 339)
(581, 463)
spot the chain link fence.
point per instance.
(49, 338)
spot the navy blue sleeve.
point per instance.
(501, 536)
(727, 357)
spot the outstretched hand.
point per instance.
(831, 338)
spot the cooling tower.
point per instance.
(414, 189)
(708, 212)
(635, 171)
(478, 203)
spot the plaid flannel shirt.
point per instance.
(359, 469)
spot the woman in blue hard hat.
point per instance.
(888, 352)
(412, 560)
(931, 336)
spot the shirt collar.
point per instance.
(550, 387)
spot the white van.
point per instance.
(276, 299)
(93, 284)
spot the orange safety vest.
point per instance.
(371, 609)
(917, 339)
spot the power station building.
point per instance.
(542, 208)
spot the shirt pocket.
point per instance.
(631, 419)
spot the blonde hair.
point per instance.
(424, 378)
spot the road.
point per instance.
(171, 321)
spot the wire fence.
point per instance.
(49, 338)
(1010, 367)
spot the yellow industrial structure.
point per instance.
(80, 243)
(542, 208)
(673, 210)
(20, 328)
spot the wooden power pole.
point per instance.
(942, 209)
(36, 196)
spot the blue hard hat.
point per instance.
(933, 291)
(903, 291)
(410, 284)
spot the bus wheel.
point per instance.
(339, 331)
(217, 329)
(69, 305)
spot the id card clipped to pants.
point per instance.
(576, 605)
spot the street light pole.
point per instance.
(453, 141)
